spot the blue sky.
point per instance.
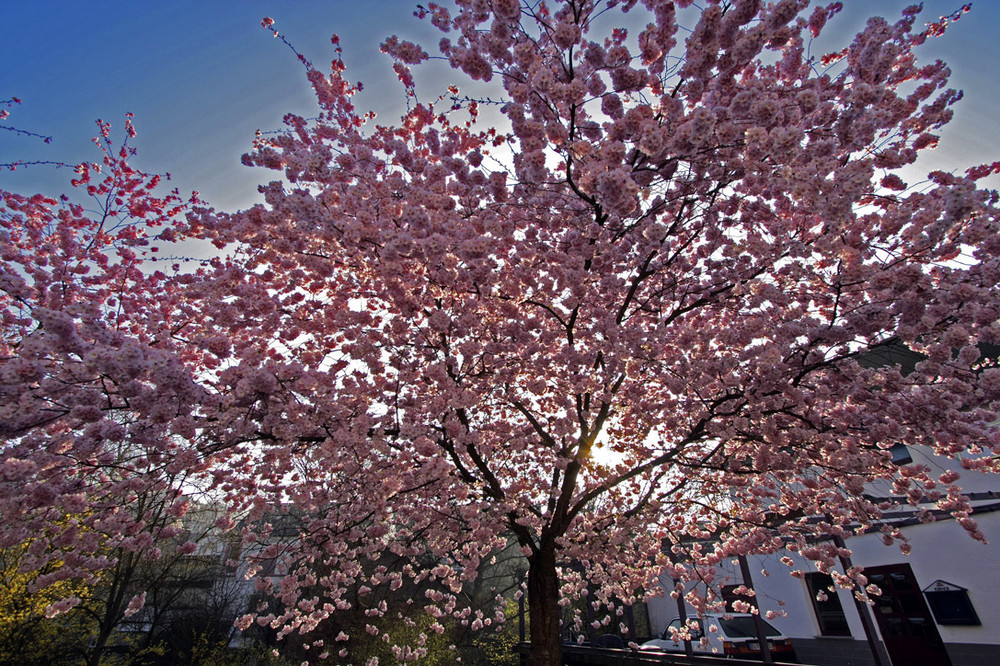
(202, 76)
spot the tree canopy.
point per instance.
(615, 318)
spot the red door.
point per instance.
(908, 629)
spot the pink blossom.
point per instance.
(135, 604)
(187, 548)
(508, 10)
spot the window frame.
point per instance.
(831, 609)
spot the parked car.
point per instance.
(730, 635)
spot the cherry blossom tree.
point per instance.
(96, 472)
(616, 318)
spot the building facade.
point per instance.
(939, 604)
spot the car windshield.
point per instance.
(743, 627)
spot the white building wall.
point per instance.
(940, 551)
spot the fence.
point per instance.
(579, 655)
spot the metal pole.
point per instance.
(520, 629)
(758, 621)
(863, 611)
(682, 614)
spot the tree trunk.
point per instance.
(96, 653)
(543, 608)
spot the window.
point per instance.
(826, 605)
(695, 629)
(900, 454)
(951, 604)
(743, 626)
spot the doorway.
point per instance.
(907, 626)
